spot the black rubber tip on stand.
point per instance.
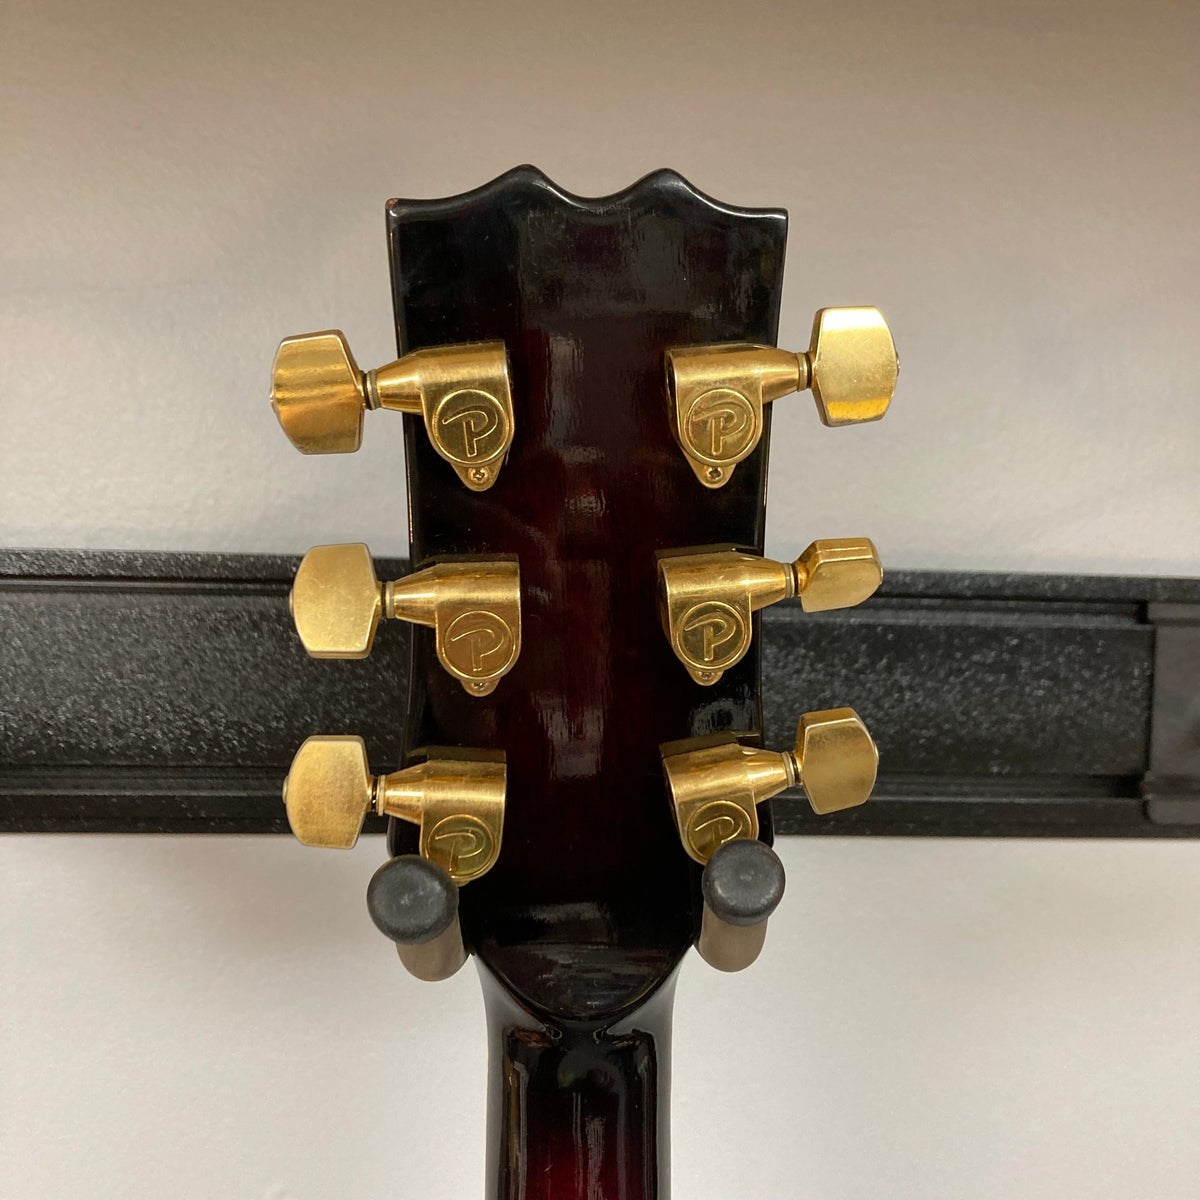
(412, 900)
(743, 882)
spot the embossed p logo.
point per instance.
(470, 425)
(479, 643)
(462, 844)
(721, 425)
(713, 824)
(713, 635)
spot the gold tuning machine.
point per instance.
(717, 782)
(473, 605)
(462, 393)
(706, 596)
(716, 393)
(456, 797)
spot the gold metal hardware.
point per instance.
(706, 595)
(462, 392)
(473, 605)
(716, 393)
(455, 796)
(716, 782)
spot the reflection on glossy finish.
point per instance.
(593, 902)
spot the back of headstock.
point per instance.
(587, 384)
(591, 904)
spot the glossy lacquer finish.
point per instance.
(581, 924)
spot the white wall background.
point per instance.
(1015, 184)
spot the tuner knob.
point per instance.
(462, 392)
(706, 596)
(456, 798)
(473, 606)
(716, 783)
(716, 393)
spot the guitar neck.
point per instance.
(574, 1110)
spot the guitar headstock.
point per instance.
(588, 386)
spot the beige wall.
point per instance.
(1015, 184)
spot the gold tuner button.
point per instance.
(707, 595)
(328, 792)
(456, 797)
(473, 606)
(462, 393)
(336, 601)
(837, 573)
(716, 783)
(716, 393)
(837, 759)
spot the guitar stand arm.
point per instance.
(415, 902)
(742, 884)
